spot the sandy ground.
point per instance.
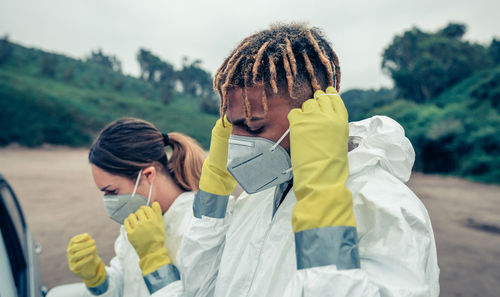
(59, 199)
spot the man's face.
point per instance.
(270, 125)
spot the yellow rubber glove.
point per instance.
(146, 233)
(84, 261)
(215, 179)
(319, 135)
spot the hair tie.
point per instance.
(166, 139)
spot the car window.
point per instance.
(12, 228)
(14, 213)
(7, 283)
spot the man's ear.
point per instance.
(149, 173)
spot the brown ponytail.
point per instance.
(128, 145)
(186, 160)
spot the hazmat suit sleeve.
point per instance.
(396, 244)
(395, 238)
(201, 250)
(323, 220)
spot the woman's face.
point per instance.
(111, 184)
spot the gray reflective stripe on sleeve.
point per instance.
(326, 246)
(100, 289)
(161, 277)
(210, 205)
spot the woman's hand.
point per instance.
(146, 233)
(84, 261)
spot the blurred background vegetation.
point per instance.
(446, 95)
(54, 99)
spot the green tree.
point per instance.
(359, 102)
(423, 64)
(166, 73)
(150, 64)
(210, 105)
(494, 51)
(194, 79)
(108, 61)
(454, 30)
(5, 49)
(166, 82)
(159, 73)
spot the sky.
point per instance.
(208, 30)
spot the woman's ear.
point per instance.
(149, 173)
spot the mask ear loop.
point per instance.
(137, 183)
(276, 145)
(149, 194)
(279, 140)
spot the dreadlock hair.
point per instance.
(287, 59)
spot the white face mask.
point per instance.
(258, 163)
(119, 207)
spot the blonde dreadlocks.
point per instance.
(291, 60)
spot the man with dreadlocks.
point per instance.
(315, 219)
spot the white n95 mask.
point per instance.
(119, 207)
(257, 163)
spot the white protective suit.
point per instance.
(251, 252)
(124, 274)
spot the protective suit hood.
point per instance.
(381, 140)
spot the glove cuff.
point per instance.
(161, 277)
(154, 260)
(99, 277)
(327, 246)
(327, 206)
(210, 205)
(216, 181)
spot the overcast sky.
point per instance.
(208, 30)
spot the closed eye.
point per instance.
(254, 131)
(110, 192)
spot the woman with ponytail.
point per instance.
(130, 165)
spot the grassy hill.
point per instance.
(50, 98)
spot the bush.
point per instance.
(210, 105)
(460, 138)
(49, 65)
(360, 102)
(34, 119)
